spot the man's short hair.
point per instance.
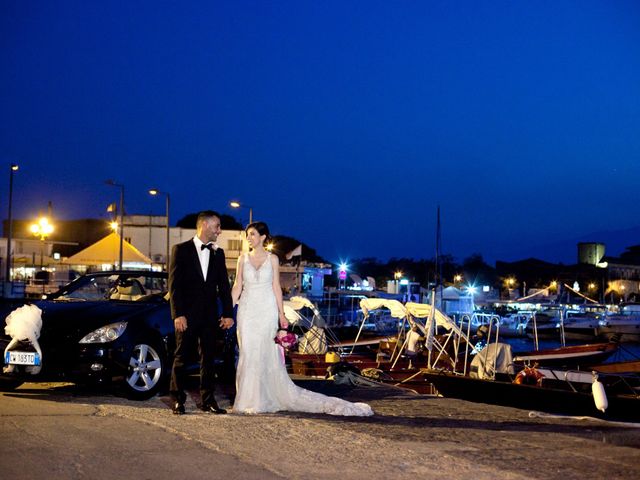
(206, 215)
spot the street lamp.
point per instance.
(397, 276)
(12, 169)
(114, 184)
(154, 192)
(42, 229)
(234, 204)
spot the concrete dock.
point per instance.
(60, 430)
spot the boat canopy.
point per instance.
(423, 310)
(292, 309)
(396, 308)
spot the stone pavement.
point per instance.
(411, 436)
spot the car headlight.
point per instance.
(602, 323)
(105, 334)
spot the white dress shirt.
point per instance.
(203, 255)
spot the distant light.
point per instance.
(343, 267)
(14, 167)
(486, 288)
(234, 204)
(404, 281)
(114, 226)
(269, 246)
(602, 264)
(457, 278)
(56, 255)
(153, 191)
(471, 289)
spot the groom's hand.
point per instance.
(180, 323)
(226, 323)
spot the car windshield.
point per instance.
(120, 287)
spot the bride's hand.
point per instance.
(284, 323)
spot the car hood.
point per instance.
(73, 320)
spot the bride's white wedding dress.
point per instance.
(262, 382)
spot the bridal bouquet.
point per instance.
(285, 339)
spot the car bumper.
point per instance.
(89, 364)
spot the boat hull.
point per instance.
(551, 400)
(570, 357)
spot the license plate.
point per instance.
(22, 358)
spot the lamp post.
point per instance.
(114, 184)
(12, 169)
(235, 204)
(154, 192)
(42, 229)
(510, 284)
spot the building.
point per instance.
(148, 233)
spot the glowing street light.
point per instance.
(42, 229)
(155, 192)
(457, 278)
(235, 204)
(342, 274)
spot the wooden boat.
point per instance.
(629, 366)
(566, 401)
(572, 356)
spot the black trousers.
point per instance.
(187, 343)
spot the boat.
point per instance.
(549, 323)
(627, 366)
(623, 326)
(583, 326)
(555, 399)
(572, 356)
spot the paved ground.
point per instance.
(60, 431)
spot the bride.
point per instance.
(262, 382)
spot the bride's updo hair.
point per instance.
(261, 228)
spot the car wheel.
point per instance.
(146, 371)
(9, 384)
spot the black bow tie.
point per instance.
(208, 246)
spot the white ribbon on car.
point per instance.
(23, 324)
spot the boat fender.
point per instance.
(599, 395)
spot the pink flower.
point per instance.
(286, 340)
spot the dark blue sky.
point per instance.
(343, 123)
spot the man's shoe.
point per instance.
(213, 409)
(178, 408)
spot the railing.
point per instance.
(37, 288)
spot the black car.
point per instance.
(106, 327)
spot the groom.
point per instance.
(197, 278)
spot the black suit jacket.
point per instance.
(190, 295)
